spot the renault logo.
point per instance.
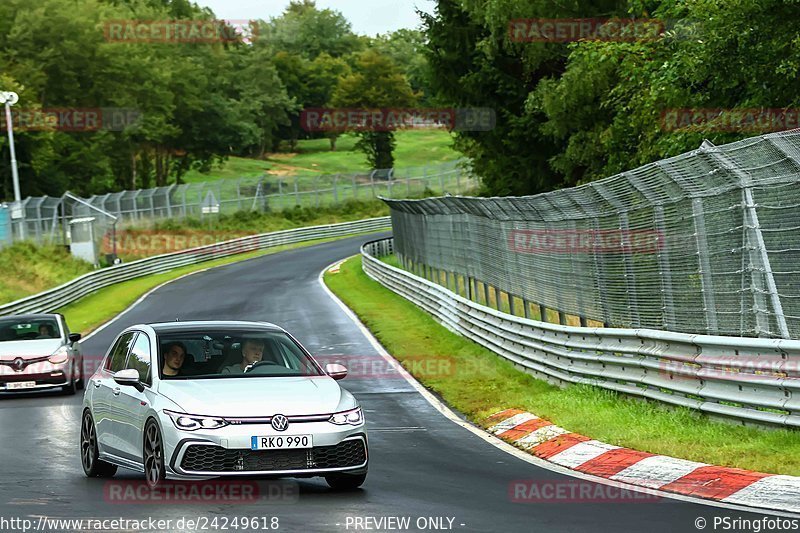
(280, 423)
(18, 364)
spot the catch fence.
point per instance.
(704, 242)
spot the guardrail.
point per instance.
(747, 379)
(86, 284)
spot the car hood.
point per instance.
(10, 350)
(253, 397)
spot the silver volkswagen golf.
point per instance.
(192, 400)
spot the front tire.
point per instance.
(345, 481)
(92, 465)
(154, 469)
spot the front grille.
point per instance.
(201, 458)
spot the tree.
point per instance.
(376, 82)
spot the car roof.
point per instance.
(189, 325)
(32, 316)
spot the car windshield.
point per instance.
(232, 353)
(22, 329)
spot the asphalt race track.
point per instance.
(421, 463)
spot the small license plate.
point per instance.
(281, 442)
(20, 385)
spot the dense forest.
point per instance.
(175, 104)
(566, 112)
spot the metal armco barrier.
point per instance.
(84, 285)
(747, 379)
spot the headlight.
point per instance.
(354, 417)
(194, 422)
(60, 356)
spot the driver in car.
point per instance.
(252, 351)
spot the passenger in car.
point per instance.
(174, 356)
(252, 351)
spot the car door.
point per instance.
(103, 386)
(130, 403)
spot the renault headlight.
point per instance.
(60, 356)
(353, 417)
(186, 422)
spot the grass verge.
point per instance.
(93, 310)
(478, 383)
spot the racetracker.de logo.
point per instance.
(590, 29)
(575, 491)
(201, 492)
(585, 241)
(752, 120)
(180, 31)
(73, 118)
(338, 120)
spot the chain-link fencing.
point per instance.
(46, 219)
(704, 242)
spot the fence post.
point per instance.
(296, 193)
(630, 276)
(665, 274)
(706, 283)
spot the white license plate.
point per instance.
(281, 442)
(20, 385)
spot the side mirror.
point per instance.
(130, 378)
(336, 371)
(74, 337)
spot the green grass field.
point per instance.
(482, 383)
(313, 157)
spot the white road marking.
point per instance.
(580, 453)
(657, 471)
(785, 490)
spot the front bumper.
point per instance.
(226, 451)
(45, 377)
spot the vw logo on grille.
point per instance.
(18, 364)
(280, 422)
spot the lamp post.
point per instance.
(9, 99)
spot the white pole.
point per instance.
(9, 99)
